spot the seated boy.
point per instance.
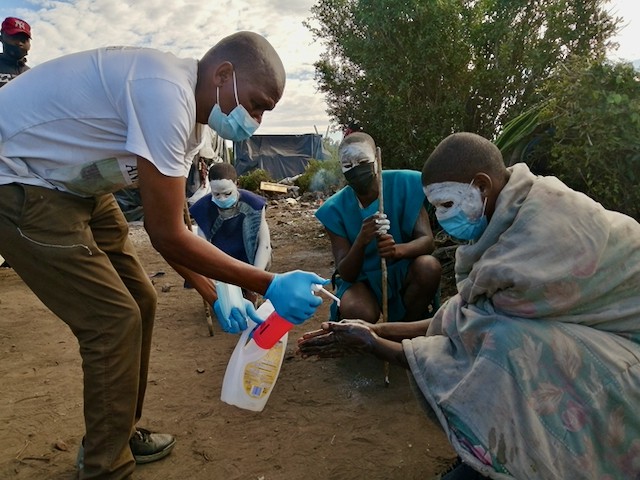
(360, 236)
(233, 220)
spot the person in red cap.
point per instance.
(15, 36)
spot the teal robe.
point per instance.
(341, 214)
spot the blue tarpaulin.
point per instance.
(280, 155)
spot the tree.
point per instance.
(595, 112)
(413, 71)
(585, 132)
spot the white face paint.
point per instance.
(449, 198)
(354, 154)
(223, 189)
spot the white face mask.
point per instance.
(461, 196)
(459, 208)
(354, 154)
(224, 193)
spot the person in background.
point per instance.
(360, 236)
(128, 120)
(533, 367)
(15, 36)
(234, 220)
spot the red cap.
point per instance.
(13, 26)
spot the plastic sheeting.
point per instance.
(281, 155)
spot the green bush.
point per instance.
(585, 132)
(595, 111)
(251, 181)
(321, 176)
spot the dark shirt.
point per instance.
(10, 68)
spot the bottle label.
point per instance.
(259, 376)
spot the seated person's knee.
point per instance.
(357, 302)
(425, 270)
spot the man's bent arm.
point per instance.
(203, 285)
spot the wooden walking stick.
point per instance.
(207, 308)
(383, 261)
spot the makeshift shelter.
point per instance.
(281, 156)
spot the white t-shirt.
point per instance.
(76, 123)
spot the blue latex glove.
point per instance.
(292, 297)
(237, 321)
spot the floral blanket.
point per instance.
(533, 368)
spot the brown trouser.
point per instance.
(75, 255)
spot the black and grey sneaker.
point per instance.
(148, 447)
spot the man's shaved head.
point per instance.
(253, 58)
(460, 156)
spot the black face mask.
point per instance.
(360, 177)
(14, 51)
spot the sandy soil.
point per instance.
(326, 419)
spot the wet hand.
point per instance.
(337, 339)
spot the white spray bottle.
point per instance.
(252, 371)
(255, 363)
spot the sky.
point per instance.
(188, 28)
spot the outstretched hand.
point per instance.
(337, 339)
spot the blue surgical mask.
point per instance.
(227, 202)
(459, 226)
(465, 219)
(236, 126)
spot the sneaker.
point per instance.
(148, 447)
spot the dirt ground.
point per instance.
(326, 419)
